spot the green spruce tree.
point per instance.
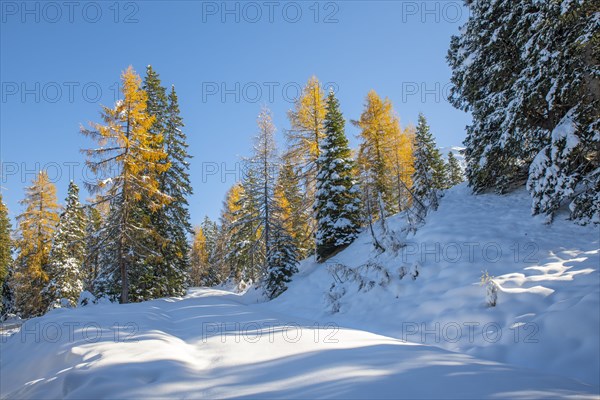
(454, 172)
(337, 203)
(430, 172)
(282, 262)
(5, 256)
(65, 269)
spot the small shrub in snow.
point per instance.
(491, 295)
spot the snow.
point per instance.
(547, 275)
(431, 336)
(457, 151)
(212, 345)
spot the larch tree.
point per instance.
(297, 218)
(378, 125)
(132, 153)
(401, 164)
(198, 258)
(337, 204)
(65, 268)
(36, 227)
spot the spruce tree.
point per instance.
(282, 262)
(36, 228)
(65, 269)
(246, 253)
(133, 155)
(528, 73)
(337, 203)
(91, 263)
(172, 222)
(254, 218)
(5, 255)
(213, 270)
(303, 138)
(430, 175)
(225, 244)
(454, 171)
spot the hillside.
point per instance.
(547, 313)
(338, 331)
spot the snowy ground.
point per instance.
(211, 345)
(548, 312)
(328, 336)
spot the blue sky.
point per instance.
(59, 63)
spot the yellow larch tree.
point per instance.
(36, 227)
(128, 163)
(198, 257)
(379, 127)
(401, 164)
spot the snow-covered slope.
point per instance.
(211, 345)
(216, 344)
(548, 311)
(456, 150)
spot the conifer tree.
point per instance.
(429, 176)
(211, 234)
(224, 253)
(304, 136)
(307, 128)
(401, 164)
(172, 222)
(254, 220)
(379, 125)
(36, 228)
(133, 153)
(91, 263)
(205, 268)
(198, 258)
(164, 272)
(337, 203)
(246, 254)
(65, 268)
(282, 262)
(5, 254)
(295, 216)
(528, 73)
(454, 173)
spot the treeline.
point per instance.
(130, 242)
(316, 195)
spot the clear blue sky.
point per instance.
(54, 58)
